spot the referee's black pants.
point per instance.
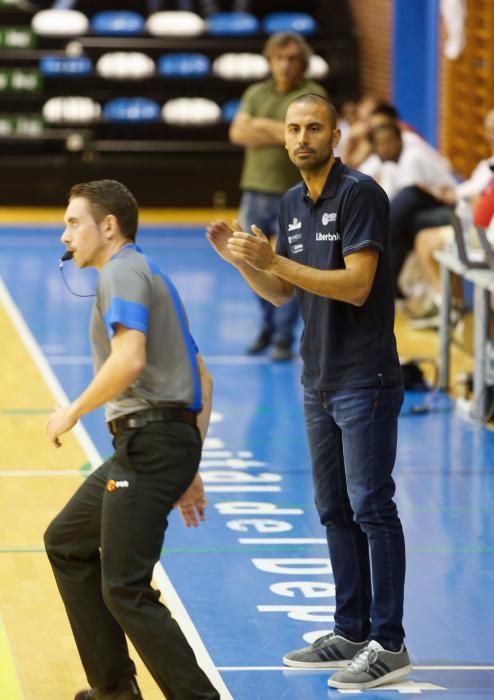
(103, 547)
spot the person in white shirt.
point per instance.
(481, 177)
(415, 177)
(429, 239)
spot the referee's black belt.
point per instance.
(131, 421)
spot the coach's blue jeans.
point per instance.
(352, 439)
(262, 209)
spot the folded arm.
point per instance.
(247, 130)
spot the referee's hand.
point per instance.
(192, 504)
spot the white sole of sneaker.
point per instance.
(315, 664)
(384, 680)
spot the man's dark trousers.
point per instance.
(411, 210)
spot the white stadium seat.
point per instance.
(318, 68)
(191, 111)
(241, 66)
(175, 24)
(71, 110)
(125, 65)
(60, 23)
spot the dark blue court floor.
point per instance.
(255, 578)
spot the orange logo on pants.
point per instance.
(112, 485)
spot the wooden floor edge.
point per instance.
(36, 215)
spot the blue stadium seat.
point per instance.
(65, 66)
(184, 65)
(117, 23)
(131, 109)
(229, 110)
(233, 24)
(299, 22)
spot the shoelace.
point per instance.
(364, 658)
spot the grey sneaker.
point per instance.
(371, 667)
(330, 651)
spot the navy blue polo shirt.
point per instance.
(343, 346)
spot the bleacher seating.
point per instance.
(136, 110)
(71, 110)
(76, 87)
(299, 22)
(60, 23)
(233, 24)
(182, 24)
(65, 66)
(191, 111)
(123, 23)
(125, 65)
(184, 65)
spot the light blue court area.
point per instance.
(255, 578)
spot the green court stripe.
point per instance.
(9, 682)
(17, 549)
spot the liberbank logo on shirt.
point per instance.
(327, 236)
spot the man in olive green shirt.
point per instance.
(267, 171)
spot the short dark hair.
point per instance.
(392, 127)
(314, 98)
(110, 197)
(282, 39)
(387, 109)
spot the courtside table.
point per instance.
(483, 285)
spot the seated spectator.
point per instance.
(353, 145)
(481, 182)
(384, 114)
(357, 145)
(483, 212)
(414, 177)
(348, 116)
(481, 176)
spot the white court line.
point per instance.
(169, 593)
(326, 670)
(46, 371)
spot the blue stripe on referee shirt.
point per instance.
(130, 314)
(190, 345)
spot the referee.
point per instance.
(157, 391)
